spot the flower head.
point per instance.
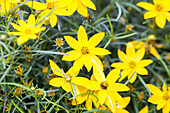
(27, 30)
(132, 63)
(160, 98)
(159, 10)
(85, 50)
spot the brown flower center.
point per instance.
(104, 85)
(166, 96)
(159, 7)
(84, 50)
(50, 5)
(132, 64)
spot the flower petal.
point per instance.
(87, 62)
(22, 39)
(36, 5)
(133, 78)
(31, 20)
(56, 70)
(154, 52)
(72, 55)
(155, 99)
(142, 71)
(124, 73)
(119, 65)
(78, 64)
(144, 110)
(95, 40)
(15, 33)
(130, 51)
(111, 102)
(99, 51)
(166, 109)
(161, 105)
(150, 14)
(98, 74)
(164, 88)
(113, 76)
(118, 87)
(57, 82)
(161, 20)
(154, 90)
(144, 63)
(16, 26)
(22, 24)
(140, 54)
(72, 42)
(122, 56)
(89, 4)
(102, 95)
(53, 20)
(82, 36)
(145, 5)
(82, 9)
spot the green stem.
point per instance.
(143, 82)
(165, 66)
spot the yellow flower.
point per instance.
(80, 6)
(27, 30)
(159, 10)
(148, 46)
(85, 50)
(19, 71)
(108, 92)
(48, 7)
(119, 107)
(66, 80)
(161, 98)
(144, 110)
(132, 63)
(27, 84)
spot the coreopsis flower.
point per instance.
(132, 63)
(160, 10)
(144, 110)
(19, 71)
(81, 6)
(27, 30)
(150, 45)
(69, 81)
(51, 8)
(5, 7)
(160, 98)
(119, 107)
(108, 92)
(85, 50)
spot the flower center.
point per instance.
(50, 5)
(59, 42)
(28, 31)
(158, 7)
(104, 85)
(84, 50)
(132, 64)
(166, 96)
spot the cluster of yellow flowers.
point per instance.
(100, 90)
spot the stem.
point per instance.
(143, 82)
(165, 66)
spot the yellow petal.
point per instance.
(154, 52)
(53, 20)
(113, 76)
(32, 36)
(166, 109)
(116, 96)
(145, 5)
(142, 71)
(22, 24)
(96, 61)
(95, 40)
(89, 4)
(102, 95)
(130, 51)
(87, 61)
(31, 20)
(72, 42)
(15, 33)
(122, 56)
(56, 70)
(161, 105)
(124, 73)
(126, 101)
(16, 27)
(118, 87)
(154, 90)
(78, 64)
(119, 65)
(98, 74)
(156, 1)
(161, 20)
(72, 6)
(82, 9)
(72, 55)
(155, 99)
(150, 14)
(36, 5)
(164, 88)
(68, 88)
(82, 36)
(133, 78)
(111, 102)
(144, 110)
(57, 82)
(140, 54)
(144, 63)
(22, 39)
(120, 110)
(99, 51)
